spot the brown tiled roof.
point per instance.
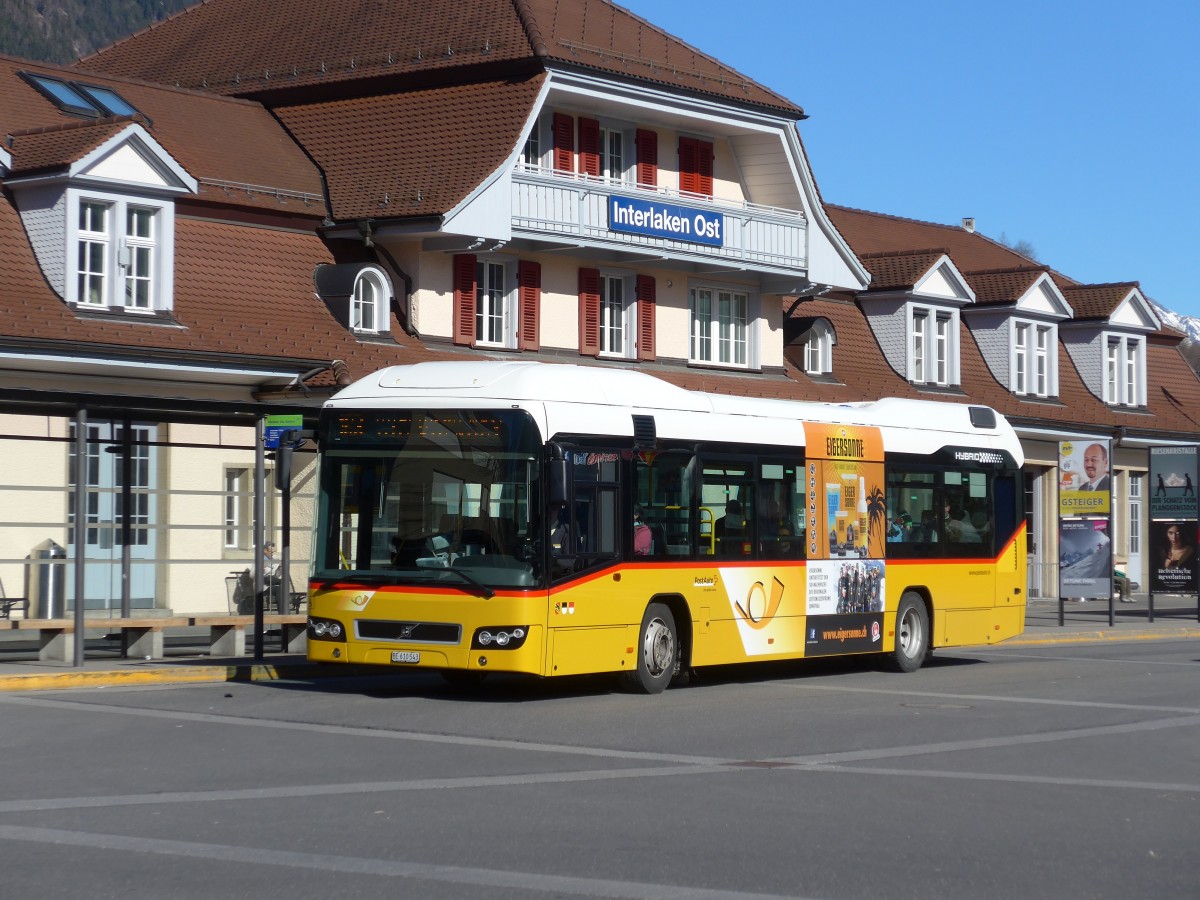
(899, 270)
(222, 142)
(1003, 285)
(242, 293)
(862, 373)
(1097, 301)
(248, 47)
(412, 154)
(871, 232)
(58, 146)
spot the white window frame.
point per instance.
(238, 507)
(618, 314)
(496, 314)
(1124, 370)
(932, 345)
(369, 302)
(1034, 358)
(717, 338)
(625, 169)
(533, 153)
(128, 260)
(92, 252)
(1137, 481)
(818, 350)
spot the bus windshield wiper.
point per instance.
(483, 589)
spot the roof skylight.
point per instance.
(79, 99)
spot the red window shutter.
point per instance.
(464, 299)
(529, 286)
(564, 143)
(704, 171)
(589, 312)
(589, 147)
(647, 157)
(646, 291)
(696, 166)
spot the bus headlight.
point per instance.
(326, 629)
(503, 637)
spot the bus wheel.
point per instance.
(912, 634)
(658, 651)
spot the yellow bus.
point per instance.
(478, 517)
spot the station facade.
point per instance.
(195, 241)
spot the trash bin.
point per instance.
(48, 580)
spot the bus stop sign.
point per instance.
(276, 426)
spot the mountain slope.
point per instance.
(61, 31)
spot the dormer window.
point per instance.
(1034, 359)
(368, 303)
(933, 346)
(116, 257)
(1124, 371)
(818, 350)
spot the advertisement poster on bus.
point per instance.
(1173, 568)
(1085, 558)
(1084, 479)
(847, 515)
(1173, 483)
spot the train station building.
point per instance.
(217, 222)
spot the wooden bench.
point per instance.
(144, 635)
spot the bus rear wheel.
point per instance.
(657, 651)
(912, 634)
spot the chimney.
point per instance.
(969, 225)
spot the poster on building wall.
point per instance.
(1084, 478)
(1173, 567)
(1173, 483)
(1085, 558)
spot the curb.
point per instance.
(1102, 636)
(252, 672)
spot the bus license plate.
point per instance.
(406, 656)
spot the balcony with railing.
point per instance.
(575, 208)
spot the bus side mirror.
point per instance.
(560, 481)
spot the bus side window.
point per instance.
(662, 487)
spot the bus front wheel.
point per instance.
(912, 634)
(657, 651)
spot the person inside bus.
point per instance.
(643, 540)
(560, 533)
(732, 523)
(899, 528)
(925, 533)
(958, 528)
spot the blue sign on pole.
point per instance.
(666, 220)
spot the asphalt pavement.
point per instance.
(186, 660)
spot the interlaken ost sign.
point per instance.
(666, 220)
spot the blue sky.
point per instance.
(1072, 125)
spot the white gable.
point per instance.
(945, 281)
(1135, 312)
(1044, 297)
(133, 157)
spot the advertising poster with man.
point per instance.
(1084, 478)
(1173, 568)
(1173, 483)
(847, 512)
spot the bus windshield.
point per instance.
(432, 497)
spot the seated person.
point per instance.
(732, 522)
(643, 540)
(560, 533)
